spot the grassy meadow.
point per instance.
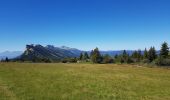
(54, 81)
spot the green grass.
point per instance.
(28, 81)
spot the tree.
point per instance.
(135, 54)
(96, 56)
(116, 56)
(139, 55)
(145, 54)
(164, 52)
(107, 59)
(152, 54)
(6, 59)
(81, 56)
(91, 54)
(125, 56)
(72, 60)
(86, 56)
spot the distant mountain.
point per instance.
(73, 50)
(118, 52)
(48, 52)
(57, 53)
(10, 54)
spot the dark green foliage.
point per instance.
(116, 56)
(145, 56)
(125, 57)
(145, 61)
(48, 54)
(96, 56)
(122, 60)
(81, 56)
(164, 50)
(69, 60)
(130, 60)
(152, 54)
(134, 56)
(46, 60)
(162, 61)
(64, 61)
(72, 60)
(85, 56)
(6, 59)
(91, 54)
(107, 59)
(139, 56)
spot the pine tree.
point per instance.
(139, 55)
(145, 54)
(81, 56)
(96, 56)
(106, 59)
(6, 59)
(135, 54)
(125, 56)
(164, 50)
(91, 54)
(116, 56)
(152, 54)
(86, 56)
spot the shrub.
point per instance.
(72, 60)
(145, 61)
(106, 61)
(130, 60)
(64, 61)
(162, 62)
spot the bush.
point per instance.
(145, 61)
(72, 60)
(106, 61)
(46, 60)
(130, 60)
(162, 62)
(64, 61)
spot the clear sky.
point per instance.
(84, 24)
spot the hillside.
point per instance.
(47, 52)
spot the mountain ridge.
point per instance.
(55, 53)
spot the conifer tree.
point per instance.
(139, 55)
(145, 54)
(86, 56)
(96, 56)
(91, 54)
(164, 52)
(6, 59)
(81, 56)
(116, 56)
(135, 54)
(107, 59)
(125, 56)
(152, 54)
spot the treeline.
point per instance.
(150, 56)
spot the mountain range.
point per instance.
(51, 52)
(10, 54)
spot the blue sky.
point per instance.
(84, 24)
